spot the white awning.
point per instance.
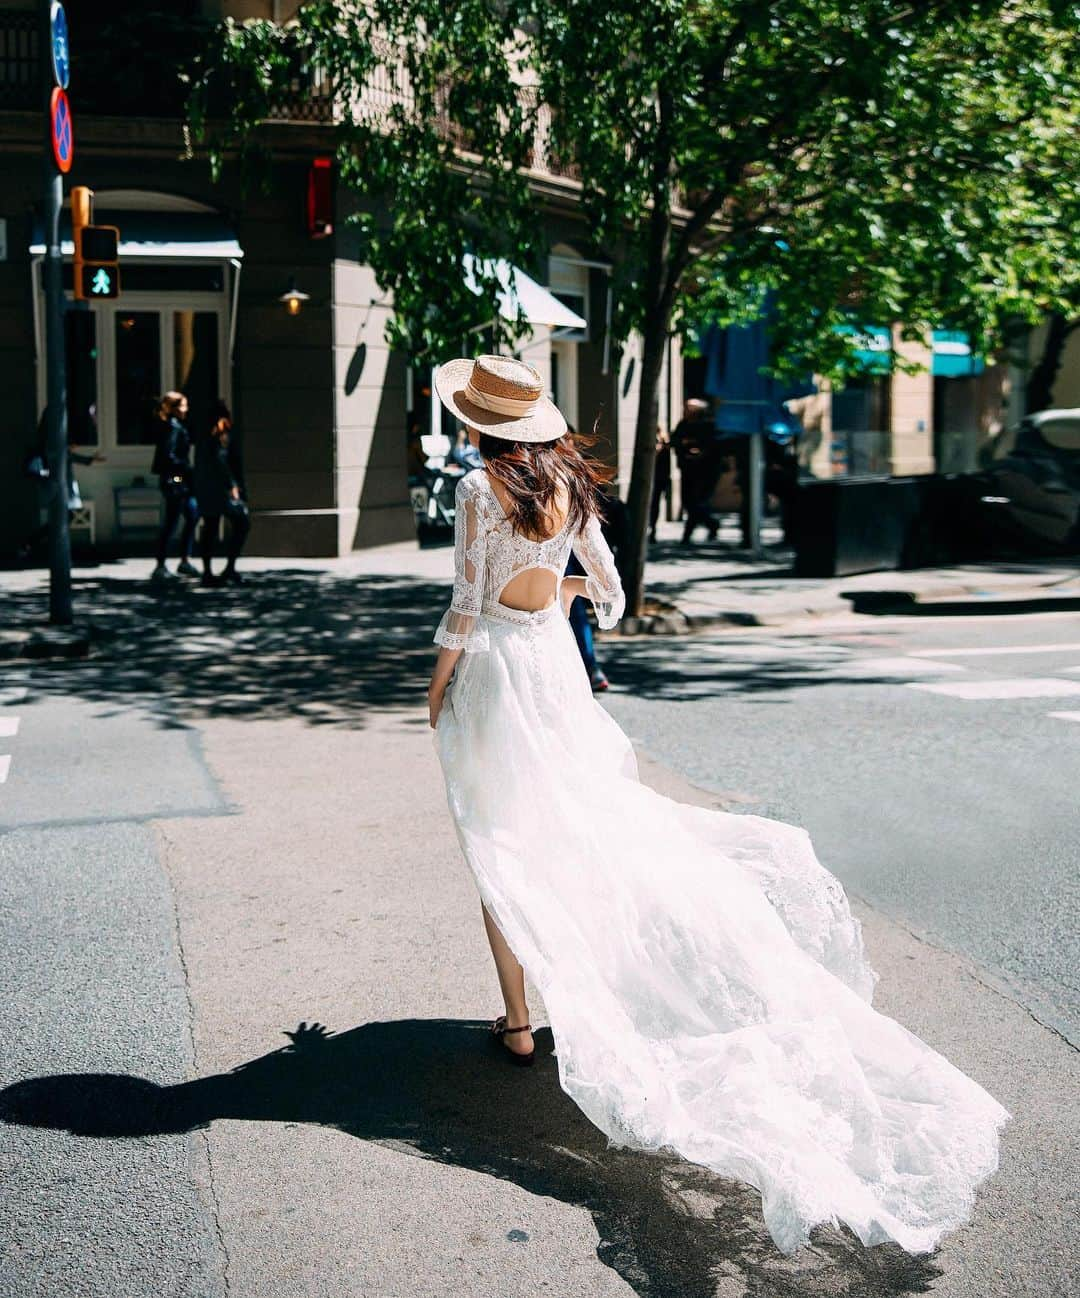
(539, 306)
(179, 236)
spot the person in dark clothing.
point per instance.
(171, 463)
(661, 479)
(615, 525)
(220, 491)
(36, 466)
(693, 443)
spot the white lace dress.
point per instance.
(702, 972)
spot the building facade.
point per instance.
(319, 399)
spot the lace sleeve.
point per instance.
(602, 584)
(461, 626)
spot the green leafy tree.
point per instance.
(873, 160)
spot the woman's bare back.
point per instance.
(532, 589)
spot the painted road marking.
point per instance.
(9, 726)
(5, 764)
(1003, 649)
(1026, 687)
(1065, 716)
(902, 666)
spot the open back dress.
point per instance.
(702, 972)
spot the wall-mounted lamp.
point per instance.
(294, 298)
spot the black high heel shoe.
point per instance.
(499, 1030)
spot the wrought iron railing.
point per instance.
(20, 66)
(310, 97)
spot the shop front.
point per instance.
(173, 327)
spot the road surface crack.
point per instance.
(213, 1201)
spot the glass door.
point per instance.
(150, 348)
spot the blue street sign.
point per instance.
(61, 57)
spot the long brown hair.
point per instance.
(535, 474)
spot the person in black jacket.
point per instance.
(172, 465)
(693, 442)
(219, 488)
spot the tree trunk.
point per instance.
(644, 463)
(1040, 385)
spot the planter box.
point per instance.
(848, 525)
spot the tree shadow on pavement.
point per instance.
(330, 650)
(432, 1088)
(290, 643)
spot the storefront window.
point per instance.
(80, 351)
(137, 375)
(195, 364)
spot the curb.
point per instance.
(1034, 599)
(45, 642)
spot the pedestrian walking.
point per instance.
(220, 491)
(36, 467)
(703, 974)
(661, 478)
(172, 464)
(693, 443)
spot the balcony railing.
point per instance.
(20, 65)
(310, 98)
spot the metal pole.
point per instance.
(60, 609)
(755, 502)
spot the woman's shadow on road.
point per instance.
(431, 1087)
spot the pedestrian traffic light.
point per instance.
(97, 274)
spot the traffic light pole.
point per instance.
(60, 606)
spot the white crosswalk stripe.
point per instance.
(907, 665)
(9, 726)
(1021, 687)
(984, 651)
(1065, 716)
(5, 766)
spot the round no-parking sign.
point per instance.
(61, 131)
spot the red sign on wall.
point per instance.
(320, 209)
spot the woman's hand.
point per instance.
(435, 697)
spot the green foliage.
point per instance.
(871, 161)
(432, 132)
(878, 161)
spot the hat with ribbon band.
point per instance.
(501, 397)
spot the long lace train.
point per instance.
(704, 977)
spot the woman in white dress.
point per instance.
(702, 972)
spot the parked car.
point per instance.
(1024, 501)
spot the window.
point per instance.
(195, 363)
(80, 353)
(137, 375)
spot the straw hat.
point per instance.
(501, 397)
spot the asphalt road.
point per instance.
(936, 763)
(227, 825)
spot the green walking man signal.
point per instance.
(99, 282)
(97, 274)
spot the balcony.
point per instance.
(20, 67)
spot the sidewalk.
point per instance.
(690, 588)
(714, 584)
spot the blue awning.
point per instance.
(953, 357)
(178, 236)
